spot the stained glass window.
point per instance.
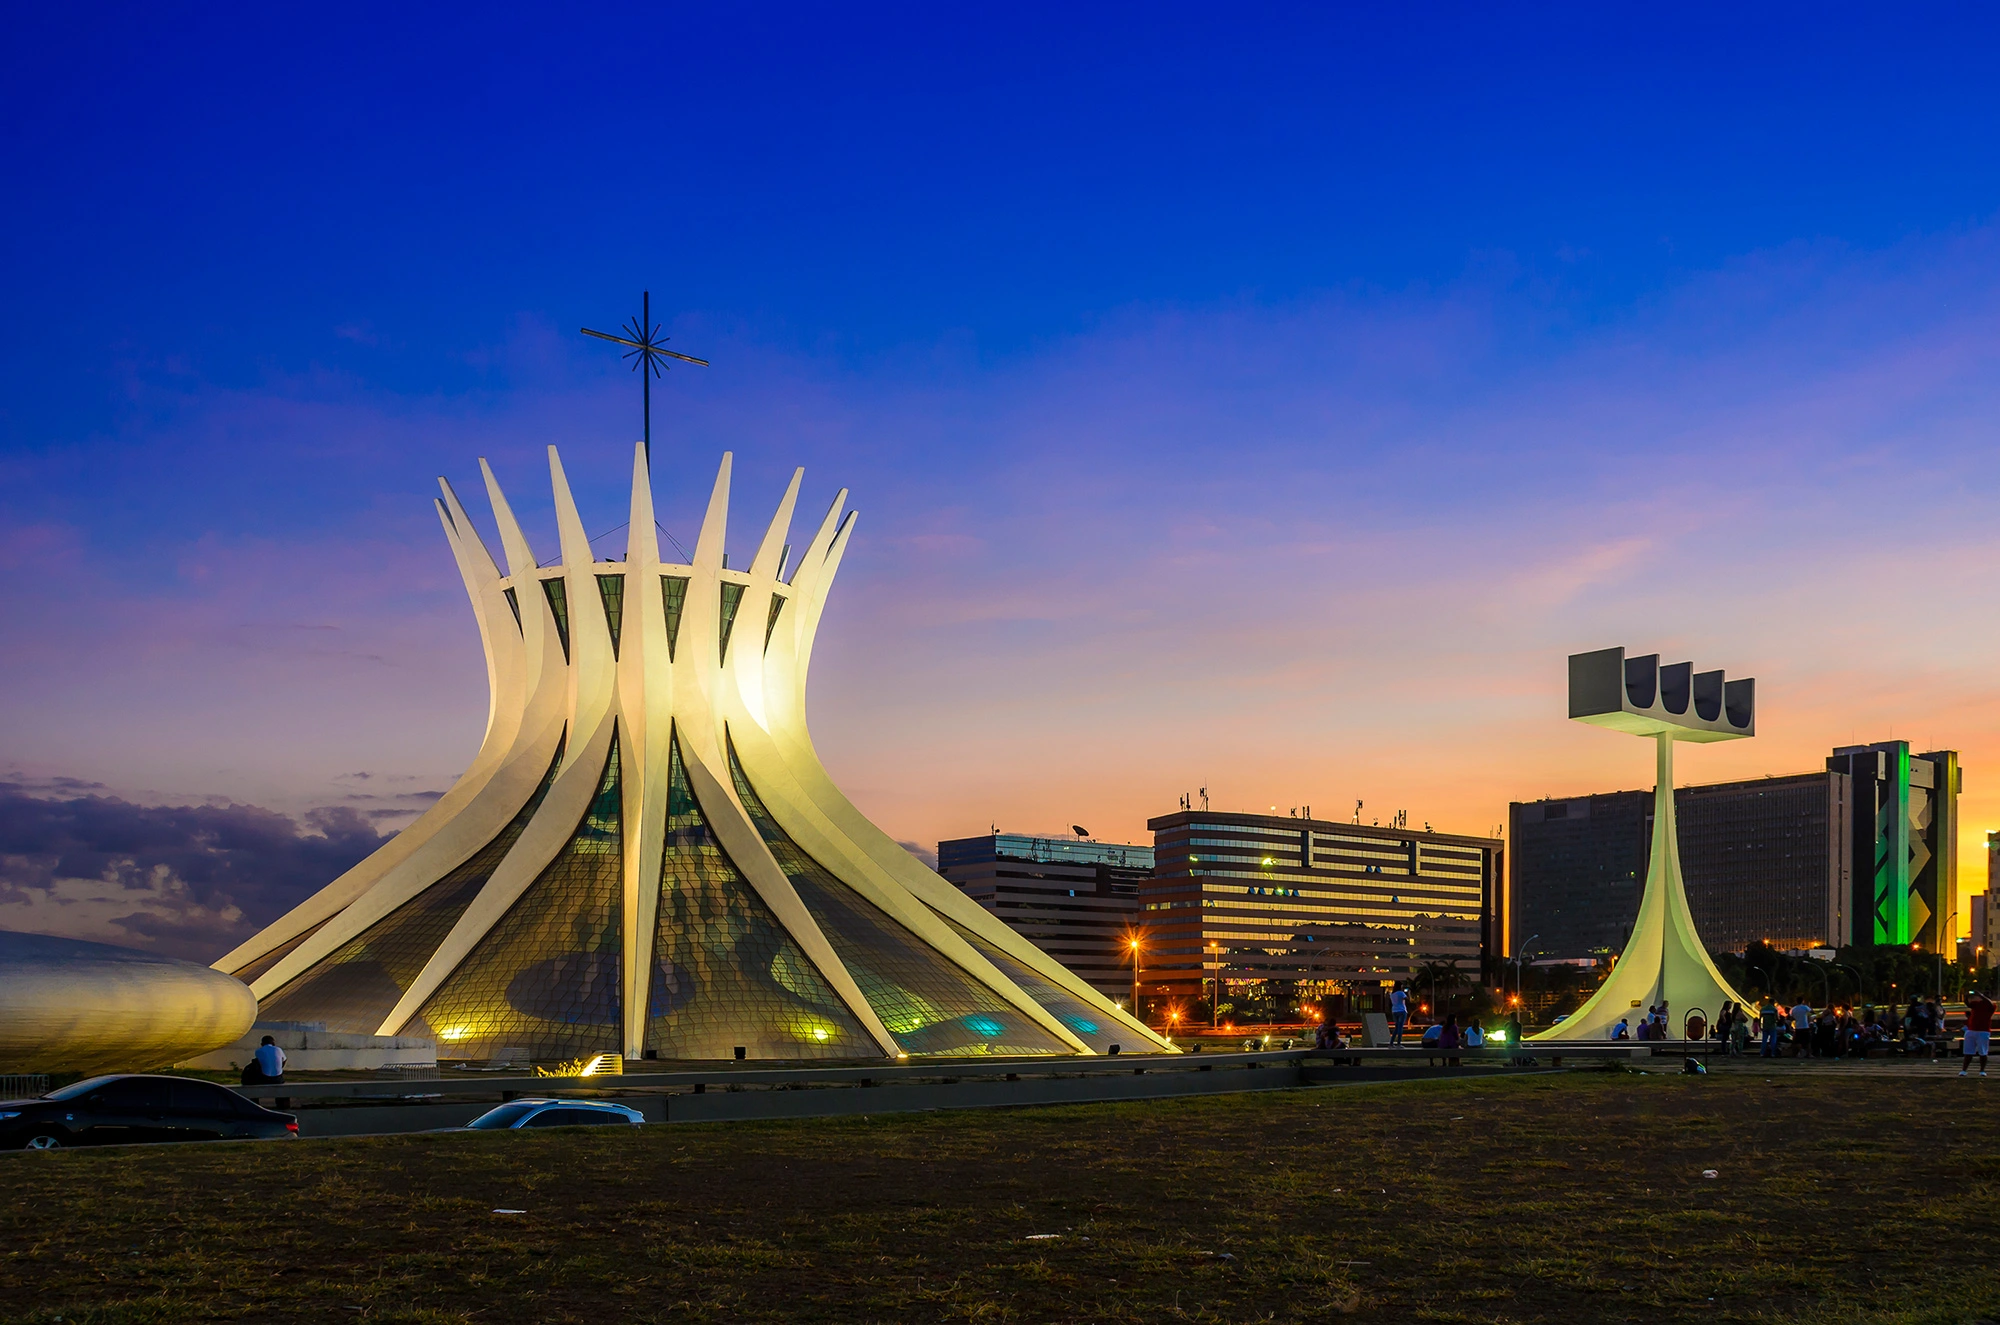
(1085, 1022)
(514, 602)
(673, 590)
(546, 977)
(559, 604)
(356, 985)
(725, 972)
(771, 623)
(611, 588)
(929, 1004)
(732, 598)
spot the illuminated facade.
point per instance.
(1285, 911)
(67, 1005)
(646, 856)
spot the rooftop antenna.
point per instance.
(1204, 800)
(647, 352)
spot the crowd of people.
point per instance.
(1777, 1031)
(1800, 1031)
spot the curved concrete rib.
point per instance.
(646, 663)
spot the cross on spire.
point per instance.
(647, 352)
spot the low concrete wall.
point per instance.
(324, 1051)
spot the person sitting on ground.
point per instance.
(1448, 1038)
(267, 1065)
(1978, 1030)
(1622, 1031)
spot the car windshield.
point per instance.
(506, 1115)
(78, 1089)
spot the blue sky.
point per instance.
(1263, 400)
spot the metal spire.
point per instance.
(648, 349)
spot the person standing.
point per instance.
(1399, 1013)
(1978, 1030)
(1767, 1015)
(1801, 1029)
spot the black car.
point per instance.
(120, 1110)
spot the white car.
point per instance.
(517, 1114)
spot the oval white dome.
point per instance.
(67, 1005)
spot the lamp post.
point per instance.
(1860, 981)
(1215, 999)
(1521, 955)
(1133, 943)
(1944, 937)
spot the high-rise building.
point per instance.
(1074, 900)
(1281, 910)
(1981, 944)
(1905, 832)
(1778, 859)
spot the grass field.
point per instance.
(1577, 1197)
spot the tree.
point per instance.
(1439, 977)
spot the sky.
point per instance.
(1265, 402)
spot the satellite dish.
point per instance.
(1079, 830)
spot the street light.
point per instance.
(1133, 943)
(1521, 955)
(1944, 937)
(1215, 1001)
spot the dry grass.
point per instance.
(1576, 1197)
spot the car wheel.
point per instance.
(43, 1141)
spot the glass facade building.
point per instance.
(1282, 911)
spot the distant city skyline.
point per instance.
(1265, 408)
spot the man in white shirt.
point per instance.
(1801, 1029)
(271, 1060)
(1399, 1013)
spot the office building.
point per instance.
(1806, 860)
(1074, 900)
(1981, 944)
(1285, 912)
